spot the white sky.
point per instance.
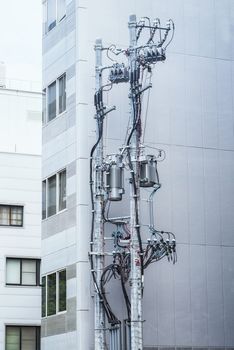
(20, 38)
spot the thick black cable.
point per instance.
(100, 131)
(136, 119)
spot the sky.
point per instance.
(20, 38)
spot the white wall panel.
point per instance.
(228, 294)
(215, 296)
(196, 196)
(190, 115)
(212, 197)
(179, 174)
(182, 287)
(199, 309)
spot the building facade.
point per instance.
(190, 116)
(20, 219)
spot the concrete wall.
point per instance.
(190, 116)
(20, 121)
(20, 185)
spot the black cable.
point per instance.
(112, 319)
(136, 119)
(100, 130)
(99, 115)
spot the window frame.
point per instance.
(62, 76)
(38, 334)
(57, 194)
(38, 268)
(44, 107)
(57, 20)
(57, 280)
(46, 103)
(10, 207)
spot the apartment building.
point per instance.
(20, 216)
(190, 116)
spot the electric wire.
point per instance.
(100, 117)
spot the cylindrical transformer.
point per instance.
(115, 179)
(148, 172)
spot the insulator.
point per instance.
(115, 179)
(154, 54)
(119, 73)
(160, 54)
(148, 172)
(155, 51)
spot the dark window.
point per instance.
(43, 199)
(62, 290)
(54, 293)
(62, 93)
(22, 338)
(51, 205)
(44, 106)
(11, 215)
(51, 294)
(22, 272)
(56, 98)
(43, 297)
(54, 194)
(52, 101)
(62, 190)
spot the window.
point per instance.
(22, 272)
(62, 295)
(43, 106)
(54, 194)
(51, 14)
(51, 208)
(62, 190)
(61, 9)
(55, 94)
(54, 293)
(43, 199)
(11, 215)
(51, 294)
(56, 11)
(62, 93)
(51, 101)
(22, 338)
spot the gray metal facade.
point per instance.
(191, 116)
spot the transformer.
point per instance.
(115, 178)
(148, 172)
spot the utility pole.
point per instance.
(136, 281)
(98, 223)
(129, 257)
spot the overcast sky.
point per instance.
(20, 38)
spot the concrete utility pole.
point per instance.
(143, 173)
(136, 271)
(99, 225)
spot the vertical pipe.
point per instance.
(136, 275)
(99, 226)
(129, 336)
(111, 341)
(120, 337)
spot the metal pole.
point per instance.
(136, 275)
(99, 225)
